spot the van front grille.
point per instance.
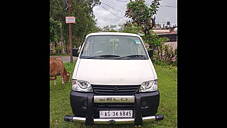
(115, 89)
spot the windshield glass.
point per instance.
(113, 47)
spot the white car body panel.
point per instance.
(114, 72)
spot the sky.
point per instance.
(111, 12)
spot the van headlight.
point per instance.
(149, 86)
(81, 86)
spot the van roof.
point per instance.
(112, 33)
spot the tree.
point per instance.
(57, 23)
(85, 22)
(155, 43)
(54, 30)
(109, 28)
(131, 28)
(142, 15)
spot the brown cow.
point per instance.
(57, 69)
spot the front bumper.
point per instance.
(112, 121)
(85, 110)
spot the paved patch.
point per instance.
(67, 58)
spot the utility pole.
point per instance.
(70, 31)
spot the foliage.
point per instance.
(155, 42)
(131, 28)
(109, 28)
(85, 23)
(58, 49)
(141, 14)
(161, 53)
(54, 30)
(157, 50)
(169, 55)
(57, 10)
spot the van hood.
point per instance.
(114, 72)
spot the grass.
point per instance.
(167, 75)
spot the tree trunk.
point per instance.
(159, 55)
(151, 52)
(62, 38)
(146, 31)
(161, 50)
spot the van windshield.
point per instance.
(113, 47)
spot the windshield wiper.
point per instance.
(101, 56)
(133, 56)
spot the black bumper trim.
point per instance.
(138, 114)
(89, 114)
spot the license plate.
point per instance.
(115, 113)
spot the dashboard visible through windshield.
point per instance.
(113, 47)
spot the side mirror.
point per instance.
(75, 52)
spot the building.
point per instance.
(171, 34)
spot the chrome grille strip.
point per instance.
(114, 99)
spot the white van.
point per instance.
(114, 81)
